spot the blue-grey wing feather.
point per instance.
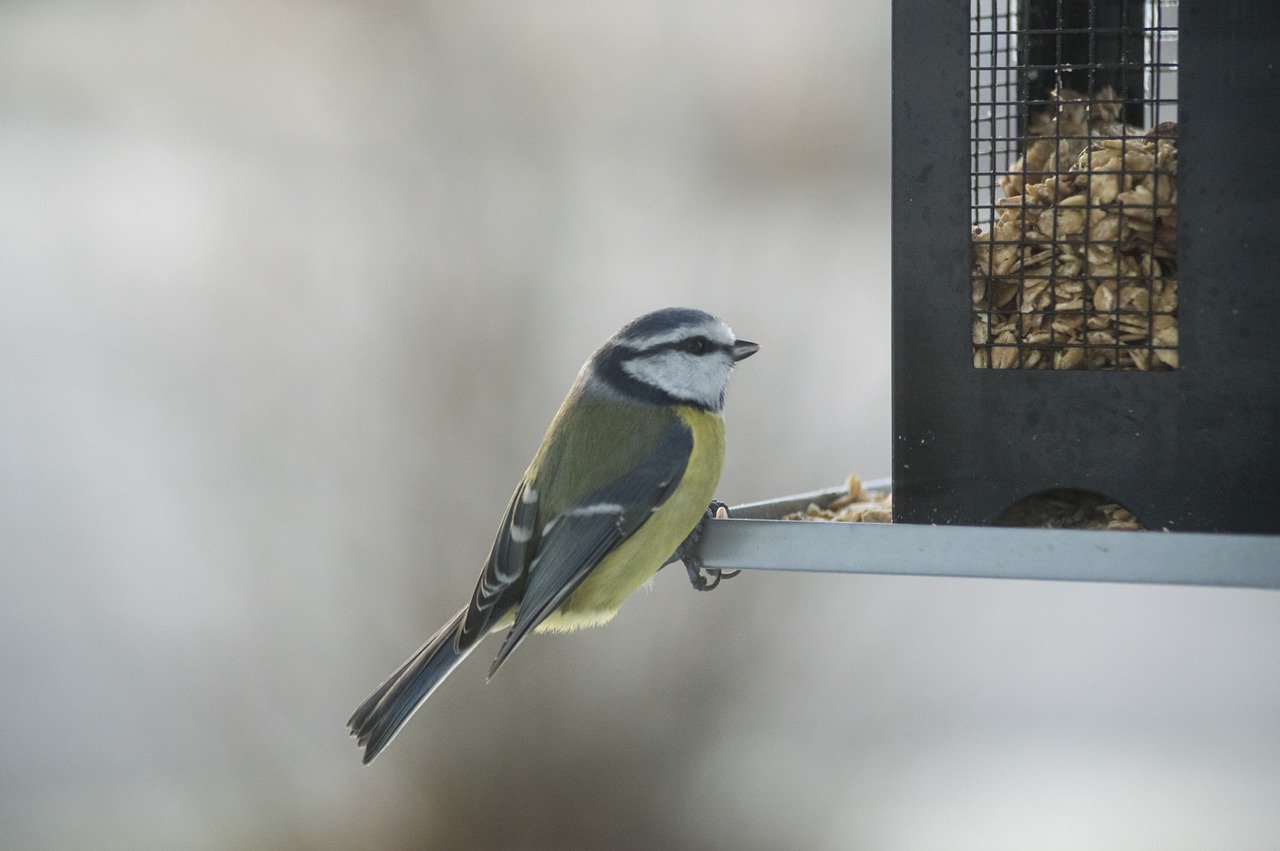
(576, 540)
(505, 568)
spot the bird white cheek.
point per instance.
(695, 378)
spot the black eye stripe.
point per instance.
(697, 345)
(693, 345)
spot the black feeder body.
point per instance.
(1086, 260)
(1086, 301)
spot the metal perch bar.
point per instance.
(747, 542)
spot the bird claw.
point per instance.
(703, 578)
(699, 575)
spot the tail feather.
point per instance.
(385, 711)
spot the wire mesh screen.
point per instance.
(1074, 184)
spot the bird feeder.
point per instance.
(1086, 302)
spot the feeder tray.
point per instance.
(753, 539)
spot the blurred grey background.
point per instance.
(289, 293)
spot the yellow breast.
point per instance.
(638, 558)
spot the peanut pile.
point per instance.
(857, 506)
(1067, 509)
(1080, 269)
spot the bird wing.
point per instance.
(573, 541)
(504, 568)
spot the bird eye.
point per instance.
(697, 345)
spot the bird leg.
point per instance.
(702, 578)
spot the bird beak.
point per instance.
(743, 349)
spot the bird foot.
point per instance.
(703, 578)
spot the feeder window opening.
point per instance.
(1073, 181)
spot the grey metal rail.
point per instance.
(746, 542)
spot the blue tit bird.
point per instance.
(621, 481)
